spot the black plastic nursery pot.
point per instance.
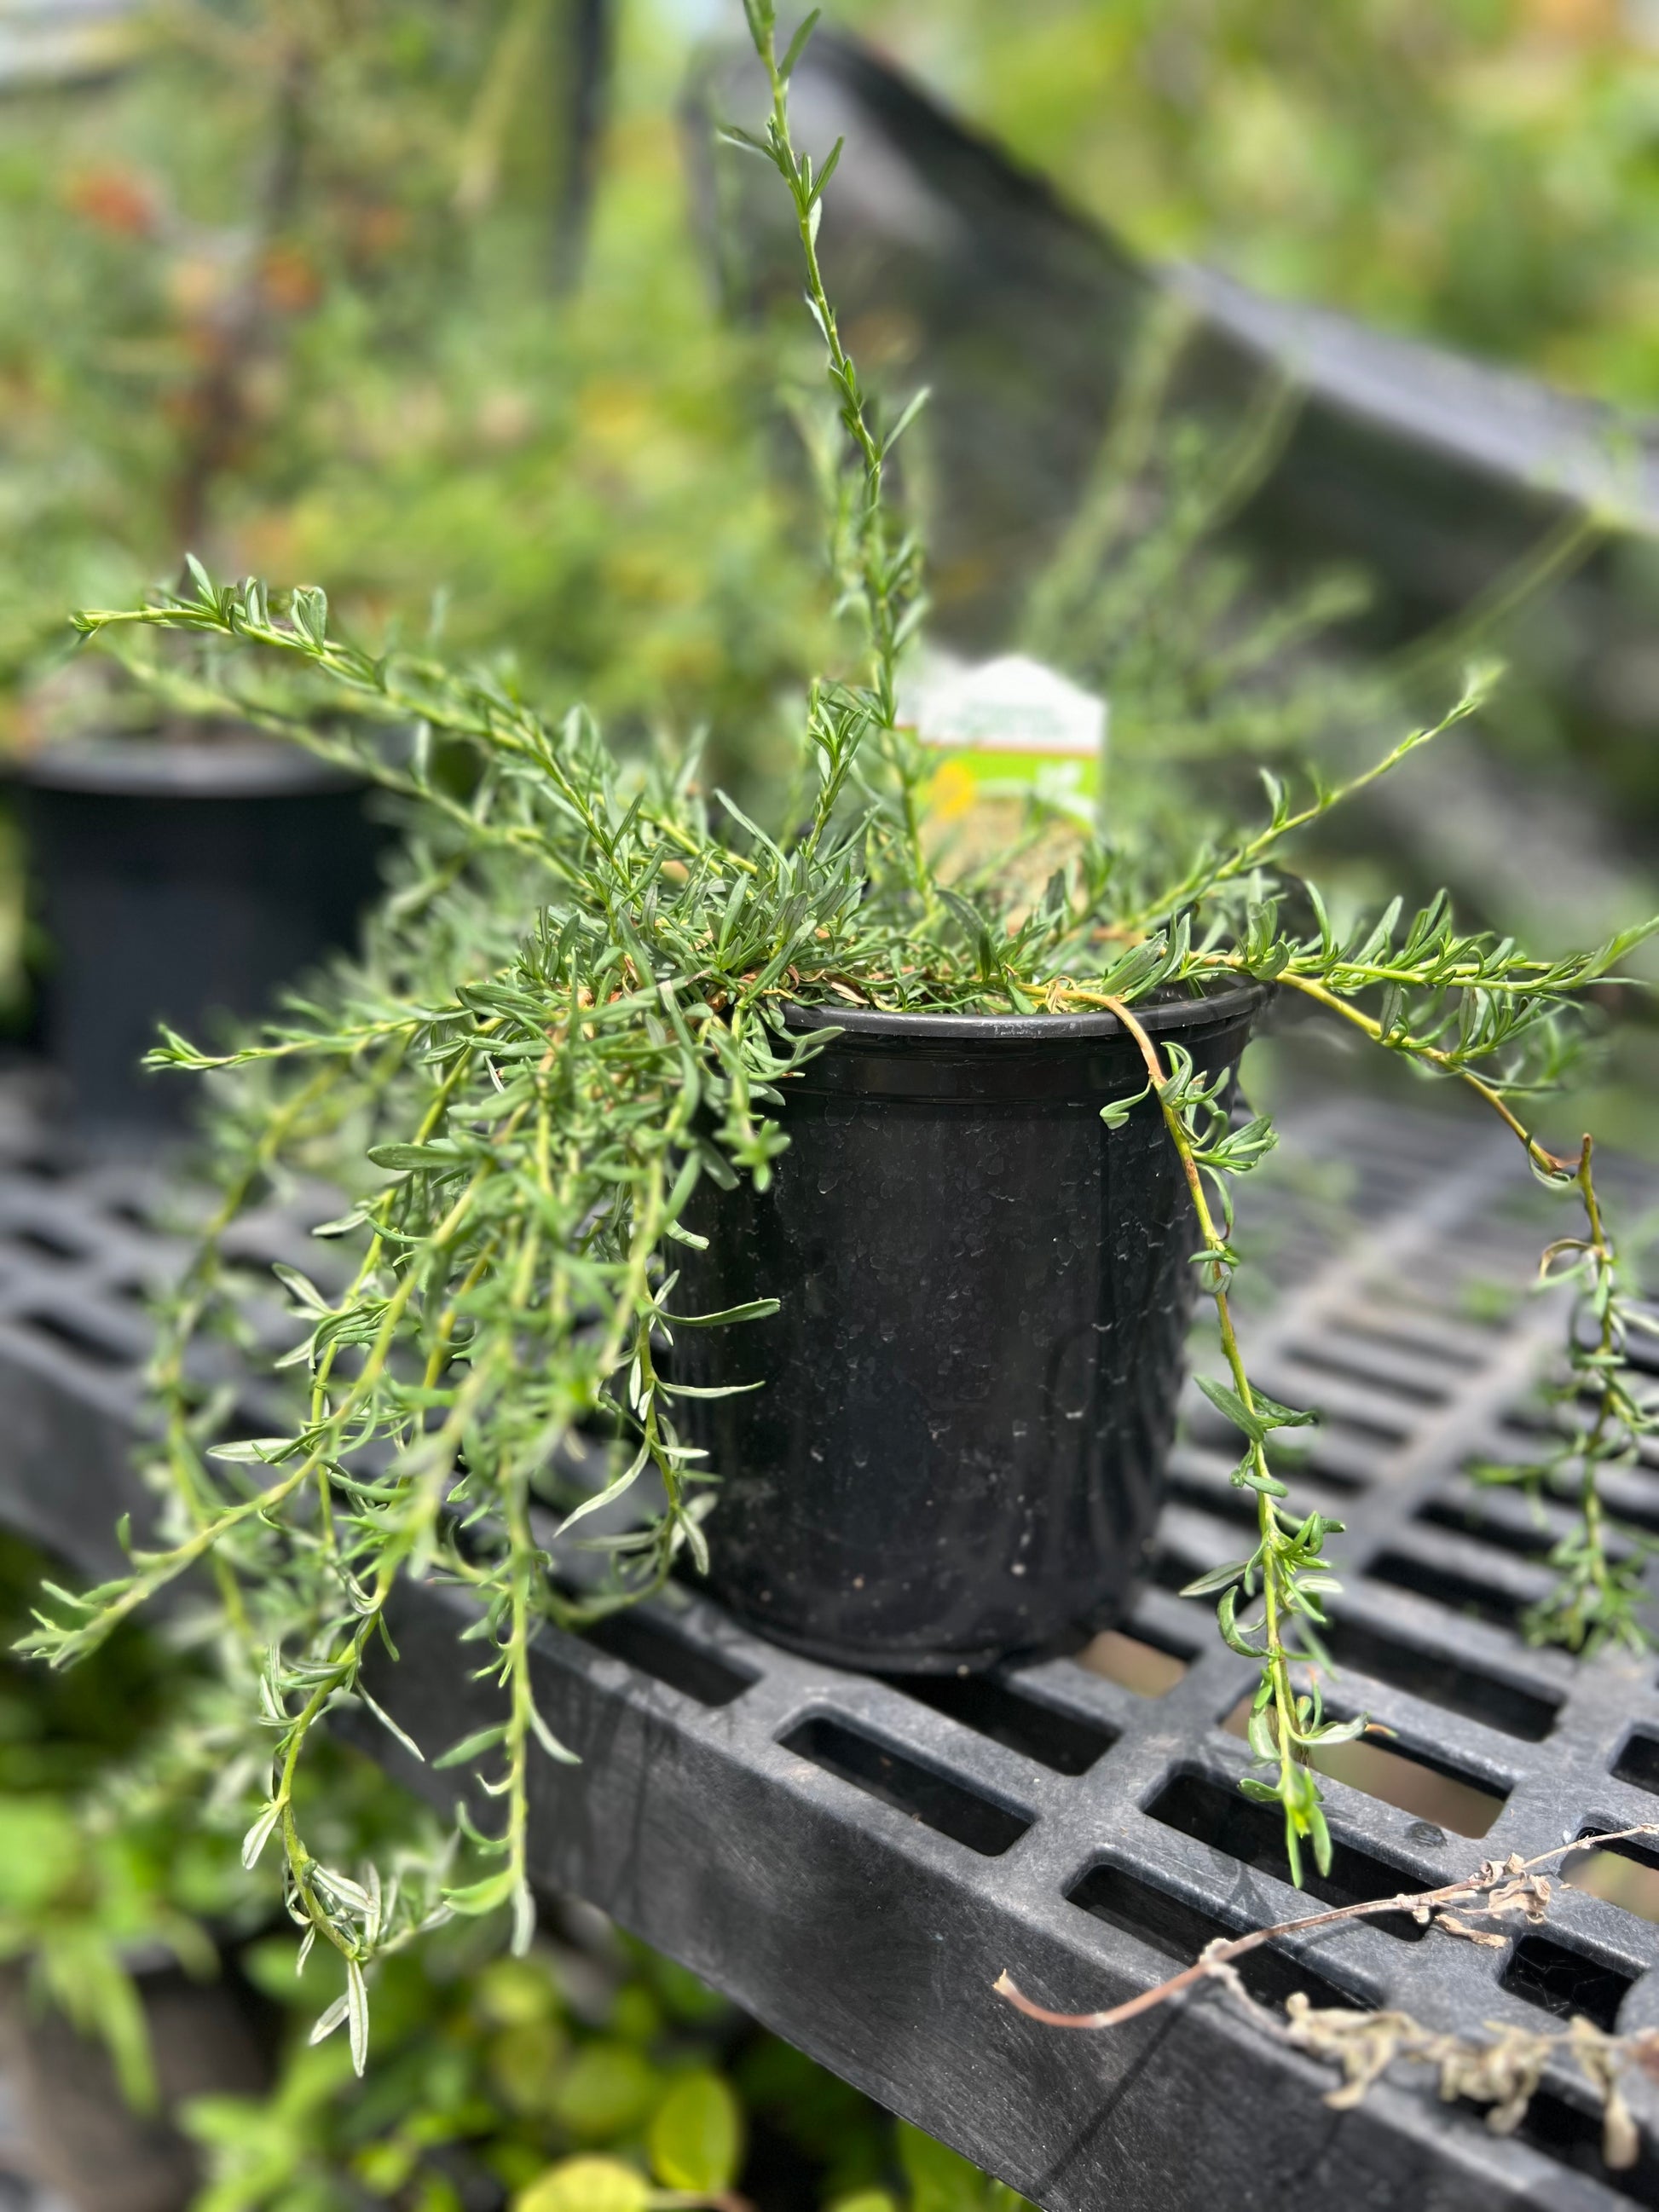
(970, 1388)
(183, 882)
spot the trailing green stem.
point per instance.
(1285, 1724)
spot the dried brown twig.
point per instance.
(1502, 2072)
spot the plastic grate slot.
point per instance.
(1520, 1539)
(1171, 1571)
(1524, 1541)
(1180, 1931)
(37, 1236)
(1439, 1679)
(1223, 1817)
(1400, 1774)
(129, 1211)
(1568, 2133)
(1142, 1663)
(1354, 1367)
(1522, 1426)
(1621, 1873)
(1322, 1468)
(1219, 1499)
(1447, 1586)
(1416, 1343)
(1638, 1761)
(656, 1651)
(1055, 1739)
(1562, 1981)
(69, 1333)
(1367, 1430)
(932, 1798)
(1639, 1512)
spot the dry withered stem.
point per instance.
(1508, 1886)
(1502, 2072)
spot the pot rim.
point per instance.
(250, 765)
(1231, 1002)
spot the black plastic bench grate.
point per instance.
(855, 1860)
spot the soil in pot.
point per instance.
(970, 1389)
(179, 882)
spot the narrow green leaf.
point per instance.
(792, 54)
(710, 1390)
(757, 1309)
(1217, 1578)
(1231, 1635)
(472, 1746)
(252, 1452)
(402, 1735)
(1227, 1402)
(1339, 1731)
(403, 1158)
(259, 1835)
(357, 2015)
(477, 1898)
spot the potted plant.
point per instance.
(622, 1070)
(182, 865)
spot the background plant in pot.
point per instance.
(180, 878)
(290, 280)
(180, 866)
(585, 1016)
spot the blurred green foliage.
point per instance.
(574, 2085)
(1487, 171)
(83, 1885)
(594, 2065)
(284, 295)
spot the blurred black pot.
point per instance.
(179, 882)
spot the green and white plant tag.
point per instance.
(1005, 726)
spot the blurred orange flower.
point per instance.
(1588, 20)
(118, 200)
(290, 280)
(379, 230)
